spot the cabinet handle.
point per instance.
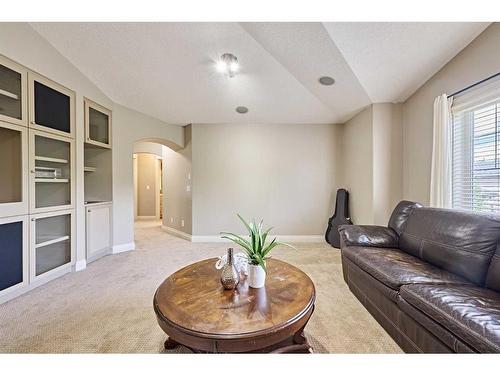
(89, 211)
(33, 219)
(32, 171)
(32, 122)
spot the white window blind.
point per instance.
(476, 150)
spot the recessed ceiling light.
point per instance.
(241, 109)
(326, 81)
(228, 64)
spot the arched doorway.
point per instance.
(162, 185)
(148, 181)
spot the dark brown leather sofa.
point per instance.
(431, 278)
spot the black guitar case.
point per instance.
(340, 217)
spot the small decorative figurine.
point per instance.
(230, 276)
(240, 261)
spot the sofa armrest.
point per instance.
(368, 235)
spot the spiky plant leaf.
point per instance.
(245, 223)
(256, 248)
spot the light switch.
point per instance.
(188, 188)
(182, 223)
(147, 187)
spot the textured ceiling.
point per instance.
(392, 60)
(166, 70)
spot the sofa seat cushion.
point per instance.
(394, 268)
(469, 312)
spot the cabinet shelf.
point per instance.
(89, 169)
(51, 160)
(51, 242)
(52, 180)
(9, 94)
(54, 156)
(52, 239)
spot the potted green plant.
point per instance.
(257, 250)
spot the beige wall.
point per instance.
(285, 174)
(478, 60)
(357, 161)
(177, 172)
(387, 160)
(147, 169)
(129, 127)
(149, 148)
(372, 173)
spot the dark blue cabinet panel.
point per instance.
(52, 108)
(11, 254)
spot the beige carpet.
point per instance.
(107, 308)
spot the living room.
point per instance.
(313, 185)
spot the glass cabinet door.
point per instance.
(51, 242)
(13, 254)
(13, 169)
(97, 124)
(51, 167)
(51, 106)
(12, 92)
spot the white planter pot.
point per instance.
(256, 276)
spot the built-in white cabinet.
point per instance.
(98, 187)
(97, 124)
(13, 255)
(38, 179)
(13, 96)
(99, 229)
(51, 244)
(51, 172)
(51, 106)
(14, 170)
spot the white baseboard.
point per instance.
(281, 238)
(80, 265)
(177, 233)
(301, 238)
(123, 247)
(22, 289)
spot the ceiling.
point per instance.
(166, 70)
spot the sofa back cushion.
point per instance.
(400, 214)
(457, 241)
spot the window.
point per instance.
(476, 155)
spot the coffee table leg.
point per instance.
(299, 338)
(170, 344)
(299, 345)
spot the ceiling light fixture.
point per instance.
(228, 64)
(241, 109)
(326, 80)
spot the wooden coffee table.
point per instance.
(195, 311)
